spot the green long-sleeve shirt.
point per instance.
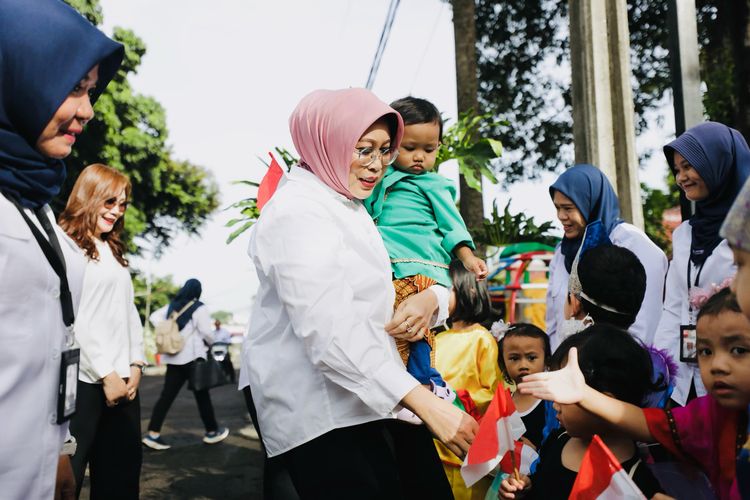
(417, 217)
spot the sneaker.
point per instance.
(216, 436)
(249, 432)
(442, 391)
(155, 443)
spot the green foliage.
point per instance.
(464, 142)
(223, 316)
(247, 207)
(506, 229)
(655, 202)
(129, 133)
(522, 43)
(162, 290)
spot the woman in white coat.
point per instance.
(196, 328)
(110, 335)
(711, 163)
(583, 195)
(55, 65)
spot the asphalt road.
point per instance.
(191, 469)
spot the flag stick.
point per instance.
(513, 463)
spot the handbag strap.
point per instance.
(177, 314)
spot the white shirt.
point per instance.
(32, 337)
(317, 356)
(222, 335)
(108, 327)
(718, 267)
(655, 264)
(195, 331)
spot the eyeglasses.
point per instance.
(111, 202)
(367, 156)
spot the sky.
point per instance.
(230, 72)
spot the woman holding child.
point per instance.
(324, 373)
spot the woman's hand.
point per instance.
(454, 428)
(511, 487)
(115, 389)
(413, 316)
(65, 484)
(133, 381)
(565, 386)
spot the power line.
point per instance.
(382, 43)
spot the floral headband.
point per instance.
(499, 329)
(699, 296)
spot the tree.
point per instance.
(470, 202)
(223, 316)
(129, 133)
(163, 289)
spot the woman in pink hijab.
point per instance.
(325, 374)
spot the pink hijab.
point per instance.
(326, 125)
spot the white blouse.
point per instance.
(654, 262)
(718, 267)
(196, 331)
(108, 327)
(316, 353)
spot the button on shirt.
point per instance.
(318, 357)
(108, 327)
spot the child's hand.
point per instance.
(566, 386)
(477, 266)
(511, 487)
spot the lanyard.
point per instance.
(697, 280)
(53, 253)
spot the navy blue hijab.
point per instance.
(191, 290)
(589, 189)
(46, 48)
(721, 157)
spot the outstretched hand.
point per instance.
(565, 386)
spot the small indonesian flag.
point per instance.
(269, 183)
(525, 456)
(499, 428)
(601, 477)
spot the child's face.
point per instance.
(418, 149)
(741, 283)
(579, 422)
(724, 357)
(523, 356)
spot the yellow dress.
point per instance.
(467, 359)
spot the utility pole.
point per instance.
(471, 205)
(603, 129)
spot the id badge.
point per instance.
(688, 339)
(67, 390)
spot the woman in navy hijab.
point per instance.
(711, 163)
(587, 204)
(53, 66)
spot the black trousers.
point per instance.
(109, 442)
(175, 378)
(277, 485)
(346, 463)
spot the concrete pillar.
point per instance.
(603, 130)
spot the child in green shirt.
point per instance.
(415, 212)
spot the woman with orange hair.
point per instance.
(107, 424)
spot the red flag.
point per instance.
(268, 184)
(601, 477)
(525, 456)
(499, 428)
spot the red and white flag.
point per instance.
(269, 183)
(525, 455)
(601, 477)
(499, 428)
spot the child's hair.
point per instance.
(611, 361)
(723, 300)
(415, 111)
(524, 330)
(612, 277)
(472, 296)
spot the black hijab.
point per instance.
(46, 48)
(191, 290)
(722, 158)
